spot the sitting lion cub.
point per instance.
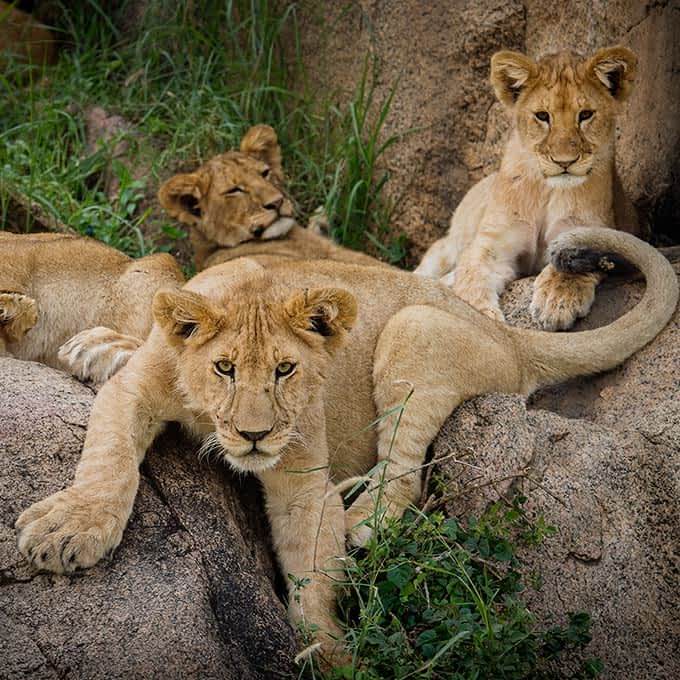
(56, 288)
(283, 369)
(236, 205)
(557, 174)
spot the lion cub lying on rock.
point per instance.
(262, 365)
(557, 174)
(56, 288)
(236, 205)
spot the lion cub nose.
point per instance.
(253, 436)
(564, 163)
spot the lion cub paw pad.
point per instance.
(18, 314)
(558, 302)
(63, 533)
(97, 353)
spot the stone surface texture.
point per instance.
(599, 458)
(439, 53)
(187, 594)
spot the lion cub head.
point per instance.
(254, 361)
(235, 197)
(564, 107)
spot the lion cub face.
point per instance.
(564, 107)
(255, 363)
(237, 196)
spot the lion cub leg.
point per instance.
(308, 530)
(97, 353)
(18, 314)
(485, 268)
(416, 378)
(560, 298)
(439, 259)
(76, 527)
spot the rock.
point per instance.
(439, 53)
(189, 592)
(112, 132)
(599, 458)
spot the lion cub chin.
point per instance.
(557, 174)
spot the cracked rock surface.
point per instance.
(600, 459)
(187, 594)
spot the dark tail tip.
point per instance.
(585, 261)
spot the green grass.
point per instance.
(191, 85)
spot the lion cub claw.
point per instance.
(97, 353)
(66, 531)
(560, 298)
(18, 314)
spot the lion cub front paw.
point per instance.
(560, 299)
(358, 526)
(97, 353)
(68, 530)
(18, 314)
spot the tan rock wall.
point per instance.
(440, 50)
(598, 457)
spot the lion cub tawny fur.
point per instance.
(557, 173)
(68, 300)
(283, 369)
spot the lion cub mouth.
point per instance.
(566, 179)
(277, 229)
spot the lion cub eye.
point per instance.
(586, 114)
(265, 173)
(543, 116)
(235, 190)
(224, 367)
(284, 368)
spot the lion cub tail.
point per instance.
(553, 357)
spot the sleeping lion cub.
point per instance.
(557, 173)
(236, 205)
(261, 363)
(74, 291)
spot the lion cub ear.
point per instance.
(181, 196)
(261, 141)
(615, 68)
(510, 73)
(186, 317)
(327, 312)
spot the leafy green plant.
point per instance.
(432, 597)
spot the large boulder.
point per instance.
(439, 51)
(599, 458)
(190, 592)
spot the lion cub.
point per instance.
(236, 205)
(283, 370)
(57, 289)
(557, 173)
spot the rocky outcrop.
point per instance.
(599, 458)
(439, 53)
(190, 591)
